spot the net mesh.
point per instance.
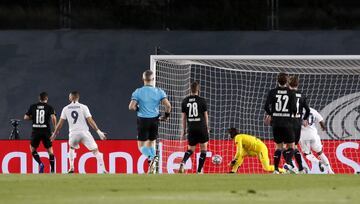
(235, 91)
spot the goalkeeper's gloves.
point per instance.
(233, 162)
(101, 134)
(164, 117)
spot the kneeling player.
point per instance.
(194, 113)
(247, 145)
(310, 140)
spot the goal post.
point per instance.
(235, 89)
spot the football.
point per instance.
(216, 159)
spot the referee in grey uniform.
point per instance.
(146, 102)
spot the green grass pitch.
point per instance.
(213, 188)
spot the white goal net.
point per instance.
(235, 88)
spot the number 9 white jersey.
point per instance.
(76, 114)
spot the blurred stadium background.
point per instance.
(61, 45)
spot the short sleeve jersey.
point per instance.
(76, 115)
(148, 99)
(40, 114)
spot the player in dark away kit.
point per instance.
(40, 114)
(195, 115)
(280, 106)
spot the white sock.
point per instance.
(312, 158)
(325, 161)
(72, 156)
(100, 160)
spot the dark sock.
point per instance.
(298, 159)
(202, 159)
(52, 162)
(187, 156)
(277, 157)
(284, 154)
(289, 155)
(149, 161)
(36, 157)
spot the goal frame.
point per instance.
(154, 58)
(189, 58)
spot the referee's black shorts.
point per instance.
(197, 136)
(147, 128)
(40, 136)
(283, 131)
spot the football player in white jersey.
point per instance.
(78, 115)
(310, 141)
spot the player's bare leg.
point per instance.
(51, 159)
(72, 156)
(37, 159)
(100, 160)
(187, 155)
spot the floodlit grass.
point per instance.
(213, 188)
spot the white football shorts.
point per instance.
(84, 137)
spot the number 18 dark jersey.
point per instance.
(40, 114)
(195, 107)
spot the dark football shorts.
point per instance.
(283, 134)
(297, 130)
(41, 136)
(147, 128)
(197, 136)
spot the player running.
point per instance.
(195, 115)
(247, 145)
(40, 114)
(146, 101)
(299, 119)
(280, 105)
(310, 140)
(78, 115)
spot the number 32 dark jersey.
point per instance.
(195, 107)
(281, 105)
(40, 114)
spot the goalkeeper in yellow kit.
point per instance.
(247, 145)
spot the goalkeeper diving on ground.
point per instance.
(247, 145)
